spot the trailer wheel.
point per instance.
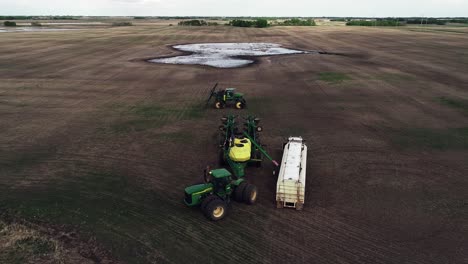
(239, 192)
(207, 200)
(215, 210)
(299, 206)
(279, 204)
(250, 194)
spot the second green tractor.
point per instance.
(226, 97)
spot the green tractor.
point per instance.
(215, 194)
(237, 150)
(225, 97)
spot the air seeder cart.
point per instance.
(290, 188)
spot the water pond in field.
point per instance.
(225, 55)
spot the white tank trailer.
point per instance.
(290, 188)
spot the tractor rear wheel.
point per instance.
(219, 105)
(240, 105)
(216, 209)
(250, 194)
(207, 200)
(239, 192)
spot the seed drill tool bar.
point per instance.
(261, 149)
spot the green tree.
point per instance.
(9, 24)
(261, 23)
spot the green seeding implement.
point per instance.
(238, 148)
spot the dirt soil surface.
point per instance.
(97, 141)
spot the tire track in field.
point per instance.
(184, 108)
(117, 50)
(38, 60)
(90, 49)
(411, 67)
(340, 241)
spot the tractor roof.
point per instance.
(230, 89)
(220, 173)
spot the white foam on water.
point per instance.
(224, 55)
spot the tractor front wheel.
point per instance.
(240, 105)
(215, 210)
(207, 200)
(250, 194)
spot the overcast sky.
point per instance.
(369, 8)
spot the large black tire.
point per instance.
(239, 192)
(215, 210)
(250, 194)
(207, 200)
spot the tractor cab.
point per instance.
(220, 178)
(229, 93)
(216, 182)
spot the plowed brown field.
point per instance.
(97, 141)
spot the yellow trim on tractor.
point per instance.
(204, 191)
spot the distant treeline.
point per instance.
(16, 17)
(393, 22)
(259, 23)
(426, 21)
(221, 18)
(9, 24)
(298, 22)
(380, 23)
(462, 21)
(122, 24)
(197, 23)
(251, 20)
(38, 17)
(13, 24)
